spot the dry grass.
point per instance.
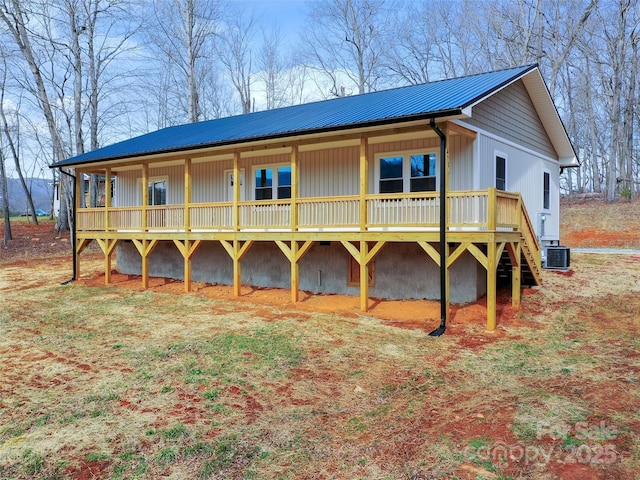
(108, 382)
(597, 223)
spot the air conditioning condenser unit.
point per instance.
(558, 257)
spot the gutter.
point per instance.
(73, 227)
(443, 234)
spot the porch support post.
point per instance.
(187, 265)
(364, 181)
(107, 245)
(364, 276)
(187, 196)
(236, 193)
(294, 189)
(236, 251)
(145, 194)
(107, 197)
(145, 247)
(294, 253)
(515, 253)
(79, 190)
(492, 277)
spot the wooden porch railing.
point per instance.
(486, 210)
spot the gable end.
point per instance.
(511, 114)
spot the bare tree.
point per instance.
(235, 50)
(272, 68)
(345, 39)
(183, 32)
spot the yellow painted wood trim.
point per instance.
(304, 249)
(491, 213)
(364, 277)
(194, 247)
(374, 251)
(181, 246)
(499, 250)
(150, 246)
(294, 187)
(145, 194)
(285, 249)
(236, 190)
(187, 194)
(353, 250)
(431, 251)
(512, 248)
(492, 275)
(229, 248)
(364, 181)
(460, 249)
(138, 244)
(480, 256)
(107, 197)
(460, 130)
(242, 250)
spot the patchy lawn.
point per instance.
(115, 382)
(593, 222)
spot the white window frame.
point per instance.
(496, 154)
(548, 172)
(158, 178)
(406, 167)
(274, 186)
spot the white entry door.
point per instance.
(228, 174)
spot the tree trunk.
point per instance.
(4, 191)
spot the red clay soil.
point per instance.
(33, 241)
(37, 241)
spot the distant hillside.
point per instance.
(41, 192)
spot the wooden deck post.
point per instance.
(364, 182)
(364, 276)
(516, 275)
(187, 195)
(236, 251)
(236, 192)
(145, 194)
(79, 190)
(492, 277)
(107, 197)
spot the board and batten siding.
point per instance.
(525, 174)
(510, 113)
(322, 173)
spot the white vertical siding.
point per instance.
(328, 172)
(331, 172)
(208, 183)
(524, 175)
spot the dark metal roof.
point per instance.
(429, 100)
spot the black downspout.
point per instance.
(443, 234)
(72, 227)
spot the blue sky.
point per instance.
(287, 14)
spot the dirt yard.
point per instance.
(115, 382)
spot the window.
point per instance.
(423, 173)
(158, 192)
(272, 182)
(545, 189)
(411, 172)
(391, 174)
(501, 172)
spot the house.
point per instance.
(344, 195)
